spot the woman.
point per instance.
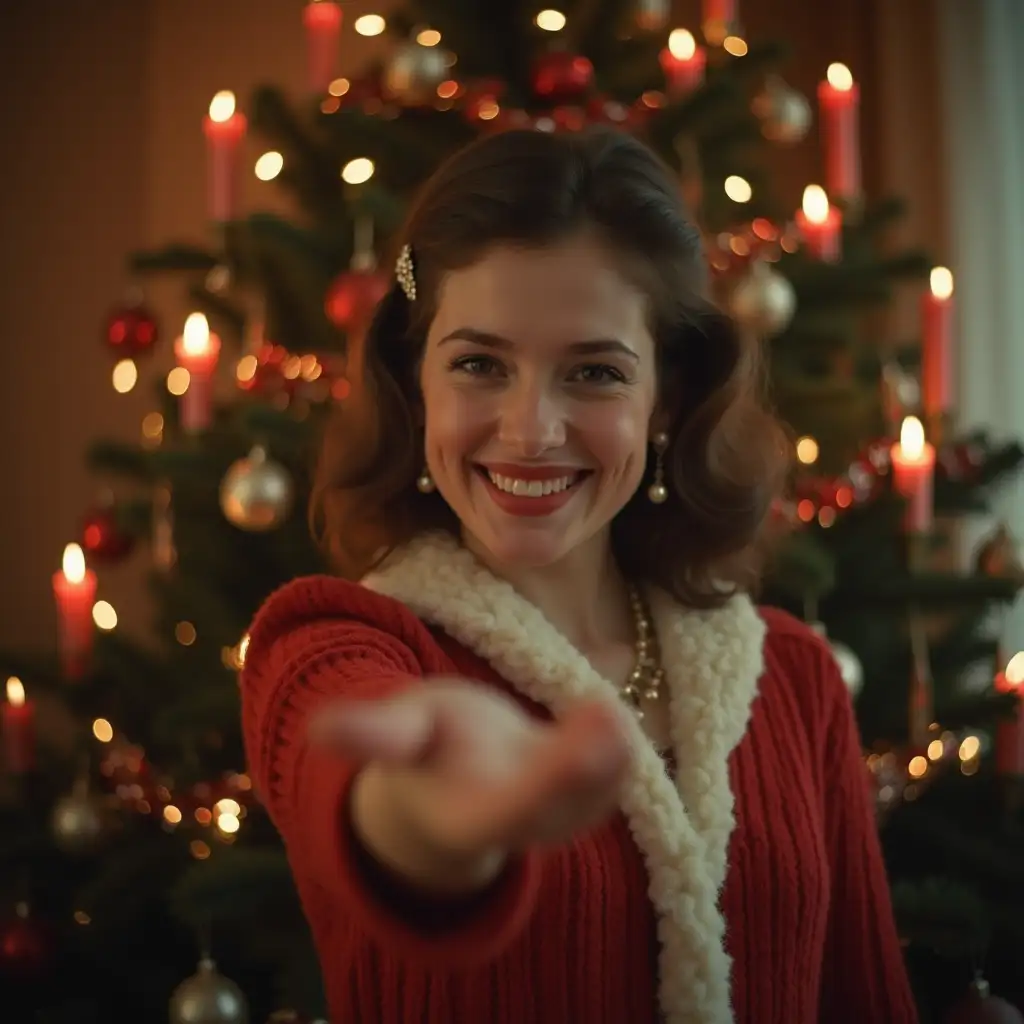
(547, 762)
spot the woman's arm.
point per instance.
(296, 663)
(864, 978)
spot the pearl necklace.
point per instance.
(645, 680)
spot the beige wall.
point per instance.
(103, 153)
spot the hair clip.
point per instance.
(404, 271)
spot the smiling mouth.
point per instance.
(522, 488)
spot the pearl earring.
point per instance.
(425, 482)
(658, 492)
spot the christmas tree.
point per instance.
(136, 847)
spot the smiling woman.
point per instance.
(547, 761)
(559, 329)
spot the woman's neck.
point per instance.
(584, 595)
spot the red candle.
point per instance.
(838, 101)
(819, 223)
(683, 63)
(19, 729)
(322, 19)
(913, 469)
(717, 20)
(1010, 731)
(937, 344)
(197, 350)
(224, 128)
(74, 588)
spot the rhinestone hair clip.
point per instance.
(404, 271)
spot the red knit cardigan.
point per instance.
(568, 935)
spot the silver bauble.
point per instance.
(651, 15)
(78, 821)
(256, 493)
(784, 112)
(764, 301)
(850, 668)
(208, 998)
(414, 72)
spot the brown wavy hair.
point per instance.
(727, 455)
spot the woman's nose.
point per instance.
(532, 421)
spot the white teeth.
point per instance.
(531, 488)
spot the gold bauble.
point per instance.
(208, 998)
(651, 15)
(764, 301)
(784, 112)
(78, 821)
(257, 492)
(414, 72)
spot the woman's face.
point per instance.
(539, 388)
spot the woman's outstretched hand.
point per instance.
(456, 776)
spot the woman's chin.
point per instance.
(521, 547)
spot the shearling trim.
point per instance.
(712, 660)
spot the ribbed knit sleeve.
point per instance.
(863, 973)
(319, 639)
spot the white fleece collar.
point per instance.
(712, 661)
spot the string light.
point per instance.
(269, 165)
(738, 189)
(104, 616)
(428, 37)
(357, 171)
(807, 451)
(124, 376)
(369, 25)
(177, 381)
(550, 21)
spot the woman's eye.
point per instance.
(477, 366)
(598, 374)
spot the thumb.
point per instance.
(397, 730)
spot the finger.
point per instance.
(396, 731)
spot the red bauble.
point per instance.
(353, 296)
(561, 77)
(26, 949)
(131, 332)
(103, 538)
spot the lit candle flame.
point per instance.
(815, 204)
(1014, 670)
(222, 106)
(941, 282)
(15, 692)
(73, 564)
(195, 339)
(912, 438)
(681, 44)
(839, 77)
